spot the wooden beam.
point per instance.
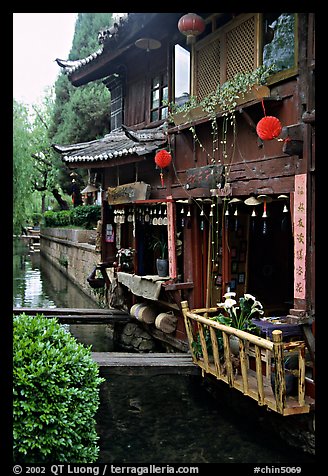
(131, 363)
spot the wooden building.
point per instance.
(236, 211)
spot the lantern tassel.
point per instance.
(162, 178)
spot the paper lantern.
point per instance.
(191, 25)
(162, 159)
(268, 128)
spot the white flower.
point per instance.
(229, 295)
(229, 303)
(249, 296)
(258, 305)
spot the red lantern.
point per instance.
(162, 159)
(191, 25)
(268, 128)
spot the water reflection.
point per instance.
(37, 283)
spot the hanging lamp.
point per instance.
(191, 25)
(162, 159)
(269, 127)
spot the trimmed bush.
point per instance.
(56, 394)
(83, 215)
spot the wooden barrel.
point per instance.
(143, 313)
(166, 322)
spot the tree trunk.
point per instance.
(62, 203)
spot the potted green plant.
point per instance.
(162, 265)
(239, 316)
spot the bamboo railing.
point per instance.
(237, 371)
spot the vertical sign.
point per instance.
(299, 236)
(171, 239)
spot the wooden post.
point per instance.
(227, 358)
(243, 365)
(259, 376)
(203, 344)
(301, 376)
(209, 267)
(188, 326)
(216, 354)
(280, 384)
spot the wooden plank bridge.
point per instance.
(79, 316)
(128, 363)
(122, 363)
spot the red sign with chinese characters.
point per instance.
(299, 236)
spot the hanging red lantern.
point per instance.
(162, 159)
(191, 25)
(268, 128)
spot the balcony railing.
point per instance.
(250, 370)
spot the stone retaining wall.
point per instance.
(72, 252)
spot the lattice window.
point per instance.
(231, 50)
(241, 48)
(208, 69)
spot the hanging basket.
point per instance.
(96, 283)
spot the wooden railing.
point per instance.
(250, 370)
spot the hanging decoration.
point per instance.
(284, 221)
(269, 127)
(265, 199)
(253, 202)
(235, 200)
(191, 25)
(163, 159)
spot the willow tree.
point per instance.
(22, 166)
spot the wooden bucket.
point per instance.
(166, 322)
(143, 313)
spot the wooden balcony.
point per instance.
(249, 371)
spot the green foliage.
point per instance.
(86, 215)
(56, 394)
(83, 215)
(22, 166)
(240, 316)
(81, 114)
(160, 243)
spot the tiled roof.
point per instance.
(120, 143)
(106, 37)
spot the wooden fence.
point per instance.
(250, 370)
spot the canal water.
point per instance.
(158, 419)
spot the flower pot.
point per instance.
(96, 283)
(290, 381)
(162, 266)
(234, 344)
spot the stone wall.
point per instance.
(72, 252)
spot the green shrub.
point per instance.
(56, 394)
(86, 215)
(83, 215)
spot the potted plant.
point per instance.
(239, 316)
(241, 88)
(162, 264)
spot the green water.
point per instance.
(158, 419)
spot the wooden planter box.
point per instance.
(196, 113)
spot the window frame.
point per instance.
(219, 34)
(163, 83)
